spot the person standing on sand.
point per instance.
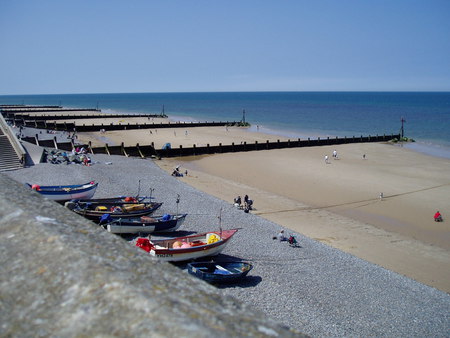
(326, 159)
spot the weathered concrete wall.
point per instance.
(64, 276)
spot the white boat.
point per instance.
(145, 224)
(187, 247)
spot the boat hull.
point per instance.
(67, 192)
(185, 256)
(128, 226)
(95, 215)
(219, 272)
(194, 247)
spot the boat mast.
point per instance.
(139, 189)
(220, 222)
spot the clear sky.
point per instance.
(88, 46)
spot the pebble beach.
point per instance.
(314, 288)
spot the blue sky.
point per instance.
(56, 47)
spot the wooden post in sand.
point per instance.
(139, 151)
(107, 149)
(122, 149)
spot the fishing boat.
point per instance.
(188, 247)
(114, 200)
(144, 224)
(94, 211)
(219, 272)
(62, 193)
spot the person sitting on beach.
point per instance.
(438, 217)
(281, 237)
(238, 202)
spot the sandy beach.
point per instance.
(337, 203)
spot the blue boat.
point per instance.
(219, 272)
(62, 193)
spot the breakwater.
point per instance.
(120, 126)
(145, 151)
(19, 119)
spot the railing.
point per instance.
(18, 148)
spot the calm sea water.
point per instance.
(288, 114)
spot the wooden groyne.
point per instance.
(145, 151)
(5, 107)
(70, 127)
(21, 119)
(42, 109)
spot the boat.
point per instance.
(94, 211)
(219, 272)
(114, 200)
(143, 224)
(62, 193)
(187, 247)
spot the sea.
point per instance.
(424, 116)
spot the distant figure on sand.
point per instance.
(326, 159)
(238, 202)
(247, 203)
(281, 237)
(335, 154)
(364, 156)
(381, 196)
(438, 217)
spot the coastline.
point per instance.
(337, 204)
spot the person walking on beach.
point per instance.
(335, 154)
(326, 159)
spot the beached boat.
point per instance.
(219, 272)
(188, 247)
(62, 193)
(94, 211)
(114, 200)
(144, 224)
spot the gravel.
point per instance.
(314, 288)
